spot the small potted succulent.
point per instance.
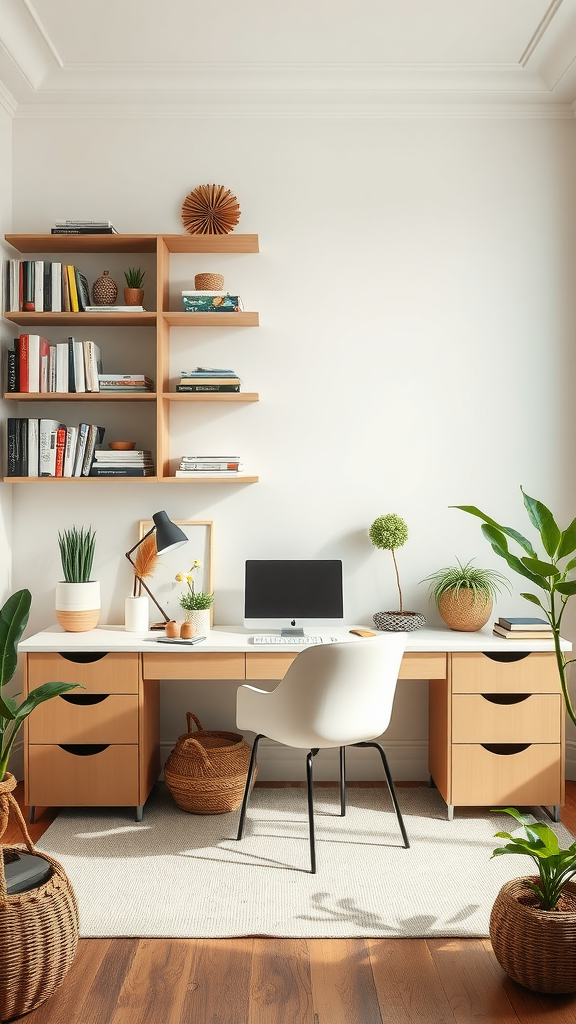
(533, 920)
(77, 596)
(196, 605)
(464, 594)
(134, 290)
(390, 532)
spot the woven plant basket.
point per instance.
(398, 622)
(461, 612)
(536, 948)
(206, 772)
(38, 929)
(209, 282)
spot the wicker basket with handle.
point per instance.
(206, 772)
(38, 928)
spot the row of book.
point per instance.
(207, 379)
(46, 447)
(211, 302)
(194, 466)
(83, 227)
(523, 628)
(36, 366)
(41, 287)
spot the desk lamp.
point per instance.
(168, 538)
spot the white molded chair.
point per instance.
(334, 695)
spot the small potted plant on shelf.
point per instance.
(196, 605)
(134, 290)
(77, 596)
(390, 532)
(533, 920)
(464, 594)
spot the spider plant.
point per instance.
(77, 554)
(484, 584)
(134, 277)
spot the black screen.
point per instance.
(295, 589)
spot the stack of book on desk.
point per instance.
(523, 628)
(122, 463)
(83, 227)
(125, 383)
(193, 466)
(207, 379)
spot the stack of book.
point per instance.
(46, 447)
(211, 302)
(208, 378)
(122, 463)
(523, 628)
(36, 286)
(114, 309)
(34, 365)
(194, 466)
(83, 227)
(125, 383)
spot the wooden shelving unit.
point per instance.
(162, 320)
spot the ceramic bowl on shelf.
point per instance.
(122, 446)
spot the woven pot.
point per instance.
(104, 290)
(209, 282)
(206, 772)
(460, 611)
(38, 929)
(398, 622)
(133, 296)
(536, 948)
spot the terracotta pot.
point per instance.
(461, 612)
(536, 948)
(133, 296)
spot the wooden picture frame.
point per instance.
(163, 585)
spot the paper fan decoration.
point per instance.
(210, 210)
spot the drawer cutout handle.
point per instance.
(84, 657)
(83, 749)
(504, 749)
(506, 656)
(506, 698)
(85, 699)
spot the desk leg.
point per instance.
(140, 812)
(450, 808)
(32, 815)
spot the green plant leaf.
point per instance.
(533, 599)
(541, 568)
(498, 544)
(566, 588)
(513, 534)
(7, 709)
(542, 518)
(571, 565)
(13, 619)
(42, 693)
(568, 541)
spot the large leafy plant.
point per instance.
(13, 619)
(555, 866)
(544, 572)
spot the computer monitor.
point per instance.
(288, 595)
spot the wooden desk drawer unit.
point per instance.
(481, 718)
(505, 776)
(114, 719)
(108, 673)
(81, 776)
(474, 672)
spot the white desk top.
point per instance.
(236, 638)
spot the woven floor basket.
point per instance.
(537, 948)
(38, 929)
(206, 772)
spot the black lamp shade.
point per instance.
(168, 535)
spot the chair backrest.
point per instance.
(340, 693)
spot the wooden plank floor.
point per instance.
(294, 981)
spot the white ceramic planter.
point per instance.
(78, 606)
(137, 614)
(200, 619)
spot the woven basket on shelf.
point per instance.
(38, 929)
(536, 948)
(209, 282)
(206, 772)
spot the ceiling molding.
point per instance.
(7, 101)
(27, 44)
(540, 30)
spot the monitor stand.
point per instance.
(298, 631)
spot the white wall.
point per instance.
(415, 289)
(5, 226)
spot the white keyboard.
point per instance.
(275, 640)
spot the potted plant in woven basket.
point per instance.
(390, 532)
(464, 594)
(134, 290)
(39, 924)
(533, 920)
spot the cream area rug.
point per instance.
(181, 875)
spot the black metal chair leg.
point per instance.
(310, 789)
(391, 788)
(248, 785)
(342, 781)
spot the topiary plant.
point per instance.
(390, 532)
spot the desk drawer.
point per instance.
(268, 665)
(114, 719)
(420, 665)
(482, 777)
(474, 672)
(107, 673)
(194, 665)
(535, 718)
(102, 778)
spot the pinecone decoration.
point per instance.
(104, 290)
